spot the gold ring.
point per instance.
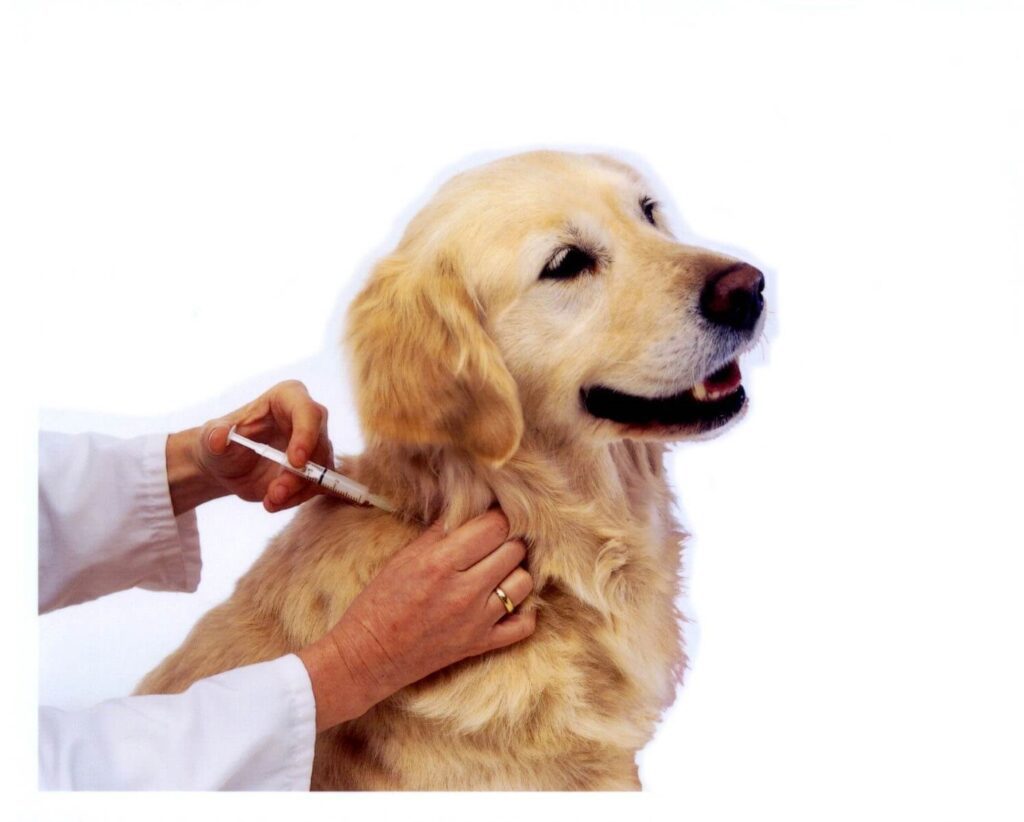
(505, 600)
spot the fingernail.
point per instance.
(279, 494)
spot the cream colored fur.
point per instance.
(467, 377)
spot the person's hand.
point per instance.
(202, 464)
(431, 605)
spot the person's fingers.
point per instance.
(259, 428)
(517, 587)
(302, 419)
(284, 490)
(475, 539)
(497, 565)
(426, 545)
(515, 627)
(323, 452)
(299, 497)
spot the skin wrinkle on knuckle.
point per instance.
(316, 418)
(497, 524)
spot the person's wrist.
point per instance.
(188, 483)
(339, 694)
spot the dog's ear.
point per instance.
(426, 371)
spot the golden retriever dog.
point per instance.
(535, 340)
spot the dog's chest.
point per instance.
(588, 686)
(567, 708)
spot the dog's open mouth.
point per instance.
(710, 403)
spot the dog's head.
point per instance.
(544, 290)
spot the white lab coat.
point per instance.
(105, 525)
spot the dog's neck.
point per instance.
(574, 504)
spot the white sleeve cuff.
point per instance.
(106, 522)
(173, 541)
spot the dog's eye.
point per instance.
(569, 262)
(648, 205)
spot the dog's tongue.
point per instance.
(724, 381)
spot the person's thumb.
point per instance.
(214, 437)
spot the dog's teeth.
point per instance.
(703, 393)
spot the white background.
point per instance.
(192, 192)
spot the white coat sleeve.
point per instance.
(252, 728)
(105, 525)
(106, 522)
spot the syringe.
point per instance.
(321, 475)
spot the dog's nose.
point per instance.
(734, 297)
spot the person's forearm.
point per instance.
(188, 485)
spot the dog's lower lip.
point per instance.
(709, 404)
